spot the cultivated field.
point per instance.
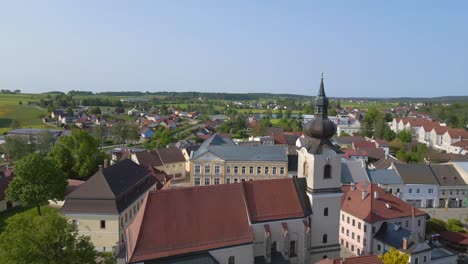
(28, 116)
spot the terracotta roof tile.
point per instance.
(457, 133)
(440, 130)
(462, 144)
(170, 155)
(353, 152)
(364, 144)
(455, 237)
(373, 210)
(194, 219)
(272, 200)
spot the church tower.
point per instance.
(320, 163)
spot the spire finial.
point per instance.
(322, 89)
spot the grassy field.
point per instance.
(28, 116)
(27, 210)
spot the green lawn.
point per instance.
(26, 210)
(28, 116)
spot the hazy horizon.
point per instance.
(371, 49)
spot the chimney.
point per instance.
(376, 195)
(405, 243)
(106, 163)
(353, 186)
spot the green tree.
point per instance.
(15, 124)
(47, 239)
(369, 121)
(45, 141)
(80, 154)
(96, 110)
(455, 225)
(18, 147)
(435, 225)
(394, 257)
(287, 114)
(37, 180)
(405, 135)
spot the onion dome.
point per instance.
(320, 127)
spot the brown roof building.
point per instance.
(108, 201)
(215, 218)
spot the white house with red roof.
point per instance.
(365, 207)
(454, 135)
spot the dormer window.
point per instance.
(327, 171)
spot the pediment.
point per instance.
(208, 157)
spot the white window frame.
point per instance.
(207, 169)
(267, 170)
(197, 182)
(282, 171)
(217, 181)
(197, 169)
(205, 181)
(228, 169)
(217, 169)
(228, 180)
(259, 170)
(236, 169)
(251, 170)
(274, 170)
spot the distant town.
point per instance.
(237, 178)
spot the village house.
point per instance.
(421, 187)
(453, 190)
(107, 203)
(365, 207)
(6, 176)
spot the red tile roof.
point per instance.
(455, 237)
(272, 200)
(462, 144)
(353, 152)
(457, 133)
(186, 220)
(170, 155)
(371, 259)
(440, 130)
(373, 210)
(364, 144)
(179, 221)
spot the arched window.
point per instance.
(306, 169)
(325, 211)
(327, 171)
(324, 239)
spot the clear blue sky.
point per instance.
(366, 48)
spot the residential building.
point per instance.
(436, 137)
(108, 202)
(387, 179)
(370, 259)
(453, 190)
(365, 207)
(219, 161)
(452, 136)
(6, 176)
(248, 222)
(421, 187)
(410, 243)
(169, 160)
